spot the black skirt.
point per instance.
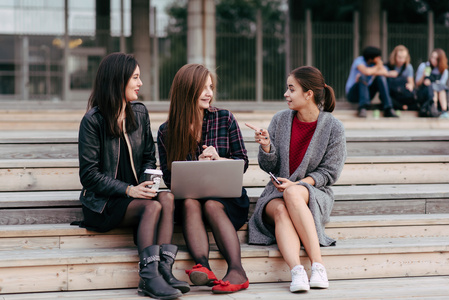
(236, 208)
(110, 218)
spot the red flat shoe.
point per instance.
(200, 275)
(224, 287)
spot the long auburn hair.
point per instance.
(310, 78)
(108, 91)
(441, 60)
(184, 123)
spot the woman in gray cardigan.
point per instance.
(306, 147)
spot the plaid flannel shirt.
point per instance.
(220, 129)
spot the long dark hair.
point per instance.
(310, 78)
(184, 115)
(108, 91)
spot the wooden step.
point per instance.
(341, 193)
(430, 287)
(60, 162)
(40, 150)
(68, 115)
(49, 151)
(352, 135)
(391, 199)
(65, 236)
(85, 269)
(69, 119)
(47, 160)
(63, 174)
(38, 207)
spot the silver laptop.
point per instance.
(207, 179)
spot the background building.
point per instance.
(50, 49)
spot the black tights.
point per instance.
(154, 220)
(224, 234)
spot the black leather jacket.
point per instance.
(98, 155)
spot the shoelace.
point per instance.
(320, 272)
(298, 276)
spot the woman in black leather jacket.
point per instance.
(115, 146)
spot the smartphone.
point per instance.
(274, 178)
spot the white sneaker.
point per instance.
(444, 115)
(300, 281)
(318, 279)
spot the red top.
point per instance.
(302, 133)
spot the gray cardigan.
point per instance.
(323, 161)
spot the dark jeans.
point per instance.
(361, 93)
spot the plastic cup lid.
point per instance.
(153, 171)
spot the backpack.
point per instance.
(398, 91)
(427, 107)
(428, 110)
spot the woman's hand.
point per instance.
(142, 191)
(209, 153)
(409, 86)
(285, 183)
(392, 73)
(261, 136)
(427, 82)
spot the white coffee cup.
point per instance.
(155, 176)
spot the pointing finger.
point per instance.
(252, 127)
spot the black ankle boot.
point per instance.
(151, 282)
(168, 254)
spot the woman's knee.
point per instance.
(167, 201)
(277, 210)
(294, 193)
(191, 206)
(151, 207)
(212, 207)
(214, 212)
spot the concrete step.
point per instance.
(86, 269)
(431, 287)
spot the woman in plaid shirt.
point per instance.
(197, 131)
